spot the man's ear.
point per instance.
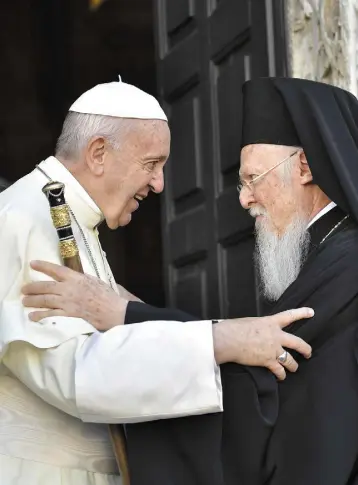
(305, 171)
(95, 155)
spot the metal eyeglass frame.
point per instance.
(242, 184)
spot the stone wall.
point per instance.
(322, 37)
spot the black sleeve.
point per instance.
(141, 312)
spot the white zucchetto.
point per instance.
(120, 100)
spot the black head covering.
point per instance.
(320, 118)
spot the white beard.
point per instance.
(280, 258)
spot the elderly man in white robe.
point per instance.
(62, 379)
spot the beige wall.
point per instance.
(322, 37)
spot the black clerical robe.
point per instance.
(303, 431)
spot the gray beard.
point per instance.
(280, 258)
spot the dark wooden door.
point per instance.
(206, 50)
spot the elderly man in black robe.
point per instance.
(299, 179)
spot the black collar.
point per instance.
(322, 227)
(318, 231)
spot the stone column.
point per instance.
(322, 36)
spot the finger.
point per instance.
(289, 316)
(55, 271)
(42, 301)
(290, 364)
(39, 315)
(278, 370)
(41, 287)
(296, 343)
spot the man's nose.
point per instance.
(157, 183)
(246, 197)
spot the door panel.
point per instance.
(206, 49)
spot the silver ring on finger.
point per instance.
(283, 357)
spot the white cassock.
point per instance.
(60, 379)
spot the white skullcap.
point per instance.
(120, 100)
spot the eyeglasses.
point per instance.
(243, 184)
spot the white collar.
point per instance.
(322, 212)
(85, 209)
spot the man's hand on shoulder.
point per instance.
(74, 294)
(259, 341)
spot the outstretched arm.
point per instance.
(250, 341)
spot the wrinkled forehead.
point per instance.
(150, 135)
(148, 128)
(259, 157)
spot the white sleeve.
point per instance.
(140, 372)
(149, 370)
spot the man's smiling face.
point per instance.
(129, 173)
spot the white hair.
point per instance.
(79, 128)
(286, 169)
